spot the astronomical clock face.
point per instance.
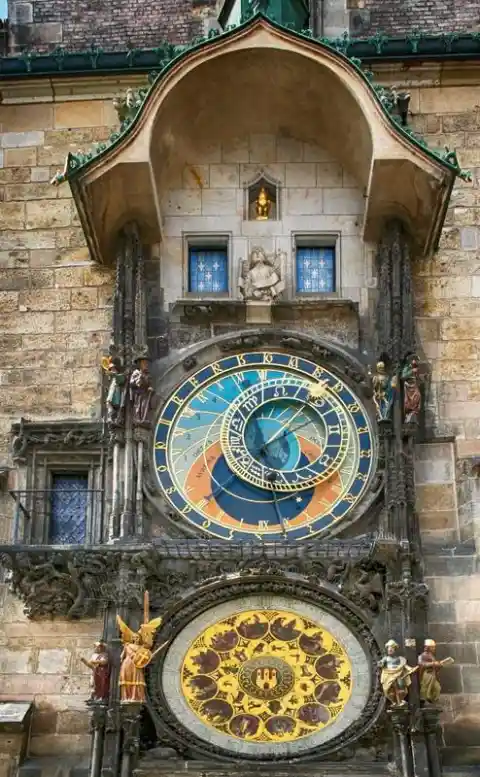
(263, 446)
(267, 675)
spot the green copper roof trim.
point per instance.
(415, 47)
(76, 163)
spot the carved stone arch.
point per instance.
(237, 590)
(222, 89)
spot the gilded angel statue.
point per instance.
(136, 656)
(261, 276)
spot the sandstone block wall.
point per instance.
(447, 475)
(55, 318)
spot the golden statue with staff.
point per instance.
(137, 655)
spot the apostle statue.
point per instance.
(141, 392)
(412, 396)
(395, 675)
(384, 388)
(429, 671)
(136, 656)
(99, 663)
(261, 276)
(117, 389)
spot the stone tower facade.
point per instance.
(98, 264)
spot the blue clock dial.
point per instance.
(263, 446)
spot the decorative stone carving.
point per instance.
(261, 276)
(128, 106)
(59, 583)
(66, 434)
(395, 675)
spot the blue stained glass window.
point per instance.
(68, 516)
(208, 270)
(315, 270)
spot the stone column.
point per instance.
(97, 727)
(130, 716)
(402, 746)
(430, 716)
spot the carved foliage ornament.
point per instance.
(76, 584)
(27, 434)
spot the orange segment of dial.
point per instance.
(198, 486)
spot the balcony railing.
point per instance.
(58, 516)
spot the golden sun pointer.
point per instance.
(317, 390)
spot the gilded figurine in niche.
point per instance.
(136, 656)
(429, 671)
(263, 205)
(99, 663)
(395, 675)
(412, 396)
(384, 388)
(116, 391)
(261, 276)
(141, 392)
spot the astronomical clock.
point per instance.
(268, 448)
(264, 446)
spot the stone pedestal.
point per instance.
(258, 312)
(130, 718)
(15, 720)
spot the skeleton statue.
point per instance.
(383, 391)
(261, 276)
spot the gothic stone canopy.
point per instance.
(260, 78)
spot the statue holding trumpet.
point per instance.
(136, 656)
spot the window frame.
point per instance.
(316, 240)
(206, 241)
(78, 470)
(43, 467)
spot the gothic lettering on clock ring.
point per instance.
(286, 432)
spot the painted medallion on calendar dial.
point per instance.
(265, 446)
